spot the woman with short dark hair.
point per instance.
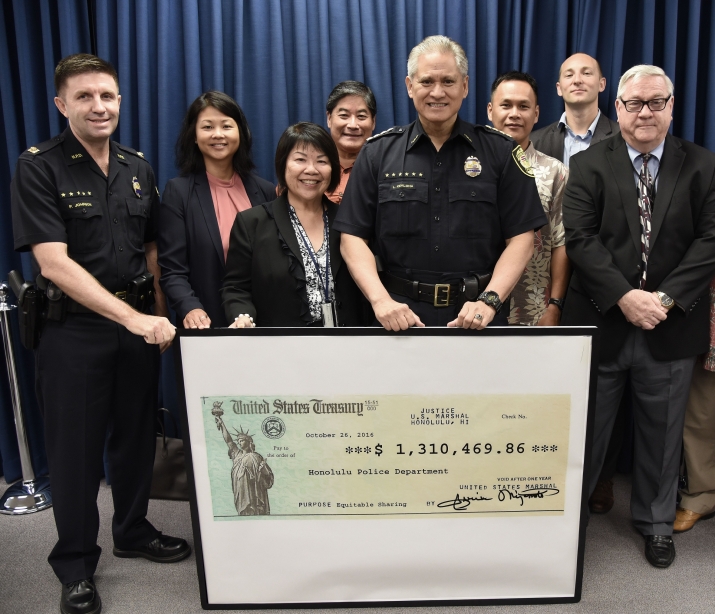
(213, 153)
(284, 266)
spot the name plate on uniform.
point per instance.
(334, 467)
(392, 456)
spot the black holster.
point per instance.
(471, 287)
(140, 292)
(30, 303)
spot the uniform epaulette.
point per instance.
(493, 130)
(394, 130)
(134, 152)
(42, 147)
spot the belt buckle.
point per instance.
(122, 296)
(438, 301)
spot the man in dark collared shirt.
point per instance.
(439, 201)
(86, 207)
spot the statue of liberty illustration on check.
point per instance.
(251, 476)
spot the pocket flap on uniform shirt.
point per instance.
(403, 190)
(138, 206)
(80, 208)
(473, 192)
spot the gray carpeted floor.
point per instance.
(617, 577)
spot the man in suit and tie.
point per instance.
(582, 123)
(639, 214)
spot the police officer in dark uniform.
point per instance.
(87, 207)
(448, 208)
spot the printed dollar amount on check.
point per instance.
(386, 455)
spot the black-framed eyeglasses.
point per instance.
(636, 106)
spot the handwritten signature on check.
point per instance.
(505, 494)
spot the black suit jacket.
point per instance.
(265, 277)
(189, 244)
(550, 140)
(603, 241)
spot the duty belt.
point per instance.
(439, 295)
(75, 307)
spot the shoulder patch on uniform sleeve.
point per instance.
(393, 130)
(522, 161)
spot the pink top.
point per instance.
(229, 197)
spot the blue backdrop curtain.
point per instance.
(280, 59)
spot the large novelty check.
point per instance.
(387, 455)
(360, 467)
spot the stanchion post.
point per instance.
(31, 494)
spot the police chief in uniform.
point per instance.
(86, 207)
(448, 208)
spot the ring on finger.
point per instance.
(478, 316)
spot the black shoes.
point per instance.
(164, 549)
(659, 550)
(80, 597)
(601, 500)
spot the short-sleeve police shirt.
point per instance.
(439, 215)
(59, 194)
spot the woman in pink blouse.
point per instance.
(213, 153)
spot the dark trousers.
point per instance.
(660, 393)
(96, 382)
(618, 437)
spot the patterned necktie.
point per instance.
(645, 190)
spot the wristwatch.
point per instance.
(559, 302)
(491, 298)
(665, 300)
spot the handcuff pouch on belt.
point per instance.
(29, 301)
(140, 292)
(471, 287)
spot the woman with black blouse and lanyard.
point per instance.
(284, 266)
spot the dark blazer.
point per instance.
(265, 277)
(550, 140)
(189, 244)
(603, 242)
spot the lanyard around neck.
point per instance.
(324, 286)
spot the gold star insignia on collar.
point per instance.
(62, 195)
(400, 174)
(140, 154)
(420, 174)
(83, 194)
(33, 150)
(89, 193)
(387, 174)
(414, 174)
(393, 174)
(71, 194)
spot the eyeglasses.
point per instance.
(636, 106)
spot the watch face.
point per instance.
(665, 300)
(491, 298)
